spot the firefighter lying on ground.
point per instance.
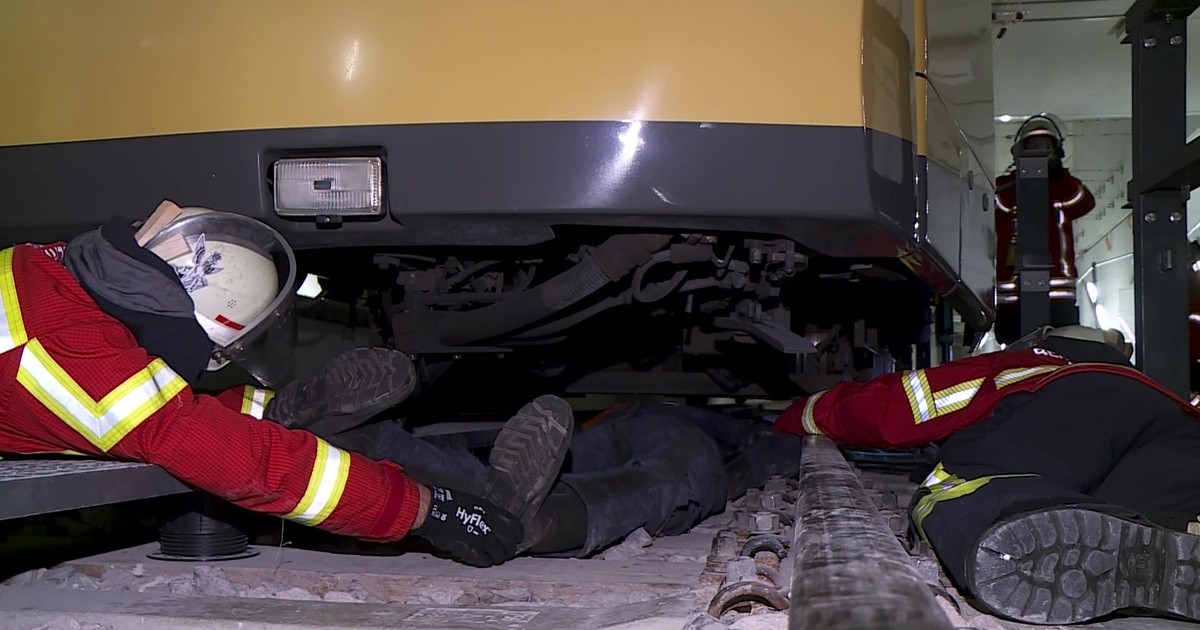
(1066, 482)
(659, 467)
(102, 340)
(1070, 200)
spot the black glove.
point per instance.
(470, 529)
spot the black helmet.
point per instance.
(1043, 124)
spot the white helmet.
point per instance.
(241, 275)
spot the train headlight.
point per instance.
(329, 186)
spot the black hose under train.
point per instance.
(610, 261)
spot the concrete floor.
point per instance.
(641, 584)
(652, 587)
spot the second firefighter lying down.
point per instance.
(1067, 483)
(659, 467)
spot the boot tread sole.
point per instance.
(527, 456)
(360, 382)
(1068, 566)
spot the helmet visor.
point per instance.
(262, 346)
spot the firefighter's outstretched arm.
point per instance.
(900, 409)
(850, 412)
(98, 394)
(94, 394)
(264, 467)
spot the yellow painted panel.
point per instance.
(89, 69)
(921, 66)
(887, 66)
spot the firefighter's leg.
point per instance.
(1071, 564)
(1008, 328)
(351, 388)
(523, 464)
(1063, 313)
(1019, 524)
(422, 461)
(527, 458)
(1061, 441)
(752, 449)
(639, 468)
(1080, 564)
(1159, 476)
(955, 505)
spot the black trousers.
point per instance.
(1099, 441)
(656, 466)
(665, 467)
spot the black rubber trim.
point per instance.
(841, 190)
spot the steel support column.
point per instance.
(1157, 32)
(944, 330)
(1033, 239)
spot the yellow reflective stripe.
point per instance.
(247, 399)
(12, 324)
(807, 419)
(1016, 375)
(927, 405)
(952, 487)
(955, 398)
(107, 421)
(331, 468)
(254, 401)
(938, 475)
(916, 388)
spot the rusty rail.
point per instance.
(849, 570)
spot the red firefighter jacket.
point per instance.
(73, 380)
(906, 409)
(1069, 199)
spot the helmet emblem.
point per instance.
(194, 276)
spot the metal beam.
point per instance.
(1159, 56)
(43, 486)
(849, 570)
(1144, 10)
(1179, 170)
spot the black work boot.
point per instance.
(1069, 565)
(527, 457)
(352, 387)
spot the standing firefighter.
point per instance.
(101, 341)
(1067, 478)
(1070, 199)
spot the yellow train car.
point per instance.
(808, 163)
